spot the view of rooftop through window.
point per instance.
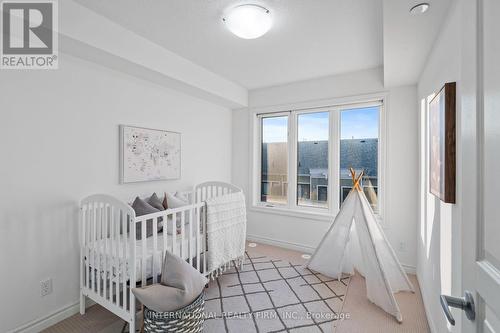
(359, 132)
(312, 159)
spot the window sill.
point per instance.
(310, 215)
(324, 217)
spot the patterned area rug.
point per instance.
(271, 295)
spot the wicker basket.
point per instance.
(188, 319)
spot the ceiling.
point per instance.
(310, 38)
(408, 38)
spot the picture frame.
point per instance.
(442, 143)
(148, 154)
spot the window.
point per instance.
(274, 160)
(312, 159)
(305, 156)
(359, 130)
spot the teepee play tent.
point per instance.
(356, 240)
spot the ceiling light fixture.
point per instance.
(420, 8)
(248, 21)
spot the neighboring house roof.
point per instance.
(318, 173)
(313, 157)
(360, 154)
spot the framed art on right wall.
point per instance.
(442, 143)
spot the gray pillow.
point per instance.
(165, 203)
(180, 285)
(159, 298)
(178, 273)
(141, 207)
(155, 202)
(175, 201)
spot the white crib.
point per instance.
(112, 260)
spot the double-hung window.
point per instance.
(304, 157)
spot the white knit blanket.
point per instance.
(226, 231)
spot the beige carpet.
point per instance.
(363, 316)
(96, 319)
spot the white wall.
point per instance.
(59, 143)
(439, 237)
(401, 197)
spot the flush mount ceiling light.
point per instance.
(420, 8)
(248, 21)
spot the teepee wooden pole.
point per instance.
(356, 180)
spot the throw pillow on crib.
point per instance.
(141, 207)
(155, 202)
(174, 201)
(183, 196)
(165, 203)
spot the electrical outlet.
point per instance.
(46, 287)
(402, 246)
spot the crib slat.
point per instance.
(87, 241)
(165, 234)
(94, 247)
(174, 233)
(107, 265)
(117, 258)
(182, 244)
(124, 260)
(204, 240)
(198, 247)
(112, 254)
(155, 249)
(99, 242)
(105, 252)
(190, 237)
(143, 256)
(102, 249)
(83, 234)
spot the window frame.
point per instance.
(259, 158)
(292, 208)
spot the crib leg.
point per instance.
(131, 325)
(133, 314)
(82, 303)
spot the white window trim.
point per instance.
(334, 105)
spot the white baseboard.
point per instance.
(409, 269)
(423, 292)
(281, 243)
(40, 324)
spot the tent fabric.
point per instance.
(356, 240)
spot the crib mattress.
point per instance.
(106, 256)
